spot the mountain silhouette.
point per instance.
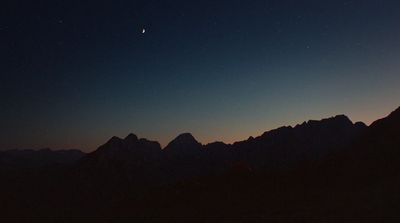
(329, 170)
(127, 148)
(308, 141)
(123, 160)
(385, 130)
(184, 157)
(375, 154)
(183, 145)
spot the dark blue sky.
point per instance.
(76, 73)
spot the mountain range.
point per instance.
(328, 170)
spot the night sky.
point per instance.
(73, 74)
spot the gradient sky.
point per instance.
(73, 74)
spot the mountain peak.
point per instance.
(114, 140)
(342, 119)
(182, 142)
(131, 138)
(338, 120)
(131, 135)
(185, 137)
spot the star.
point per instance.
(143, 31)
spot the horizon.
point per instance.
(163, 145)
(77, 73)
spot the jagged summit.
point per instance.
(273, 132)
(339, 117)
(131, 143)
(337, 130)
(337, 120)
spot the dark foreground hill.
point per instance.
(330, 170)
